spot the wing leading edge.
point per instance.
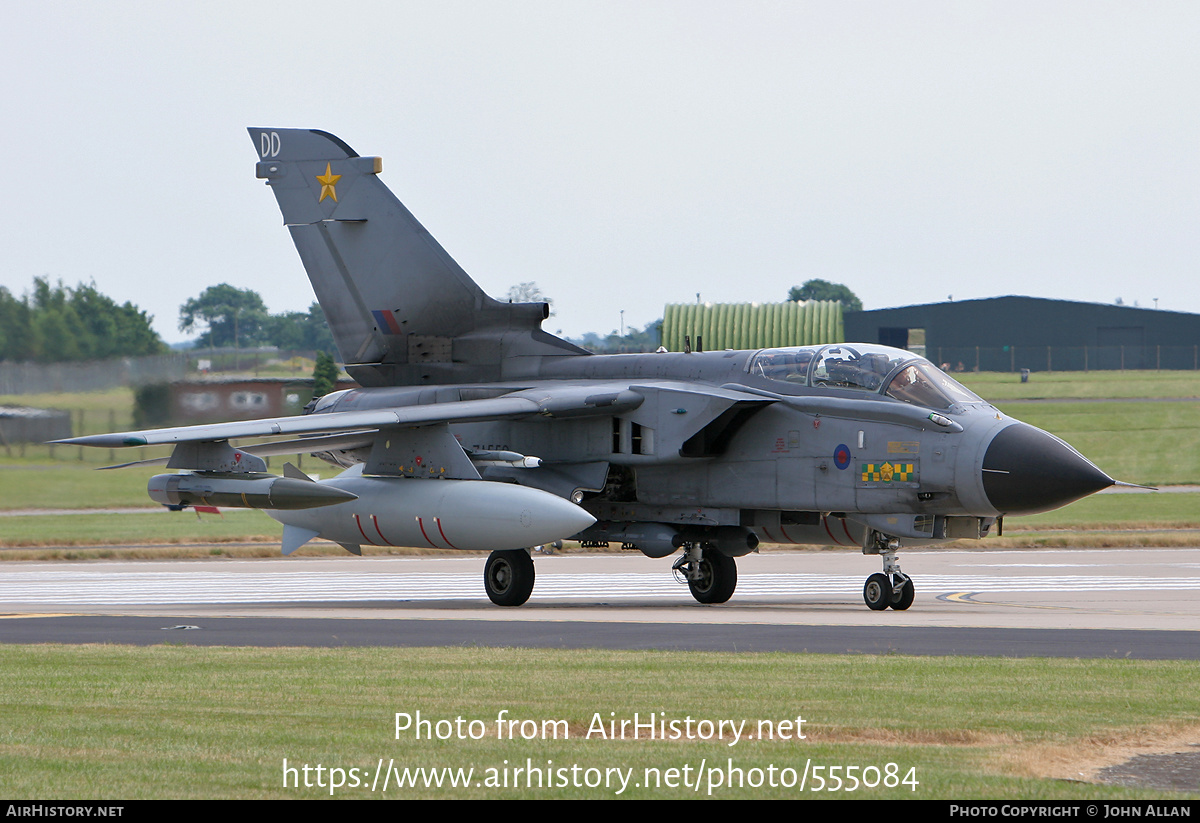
(569, 401)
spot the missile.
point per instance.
(242, 490)
(515, 460)
(472, 515)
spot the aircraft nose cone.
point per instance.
(1026, 470)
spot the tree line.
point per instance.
(229, 316)
(226, 316)
(53, 323)
(236, 317)
(57, 323)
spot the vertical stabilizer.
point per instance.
(401, 310)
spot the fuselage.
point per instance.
(876, 435)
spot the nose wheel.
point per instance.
(892, 588)
(881, 592)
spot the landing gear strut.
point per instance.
(893, 588)
(711, 575)
(508, 577)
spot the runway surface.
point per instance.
(1076, 603)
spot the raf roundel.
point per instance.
(841, 456)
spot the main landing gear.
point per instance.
(508, 577)
(711, 575)
(893, 588)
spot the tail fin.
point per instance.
(402, 312)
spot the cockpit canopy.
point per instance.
(867, 368)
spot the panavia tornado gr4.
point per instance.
(475, 429)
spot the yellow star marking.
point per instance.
(328, 180)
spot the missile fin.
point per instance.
(296, 474)
(294, 537)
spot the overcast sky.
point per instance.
(621, 155)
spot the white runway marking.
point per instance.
(105, 586)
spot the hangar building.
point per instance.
(1012, 333)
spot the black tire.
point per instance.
(877, 593)
(903, 600)
(508, 577)
(718, 578)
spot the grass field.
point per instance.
(188, 722)
(1119, 511)
(1090, 385)
(1151, 443)
(72, 485)
(157, 527)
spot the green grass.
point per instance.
(1105, 521)
(184, 722)
(1118, 511)
(70, 484)
(1090, 385)
(156, 527)
(1156, 443)
(98, 409)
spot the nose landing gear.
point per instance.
(893, 588)
(880, 592)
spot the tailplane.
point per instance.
(401, 310)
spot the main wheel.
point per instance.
(718, 578)
(903, 600)
(878, 592)
(508, 577)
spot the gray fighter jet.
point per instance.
(475, 429)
